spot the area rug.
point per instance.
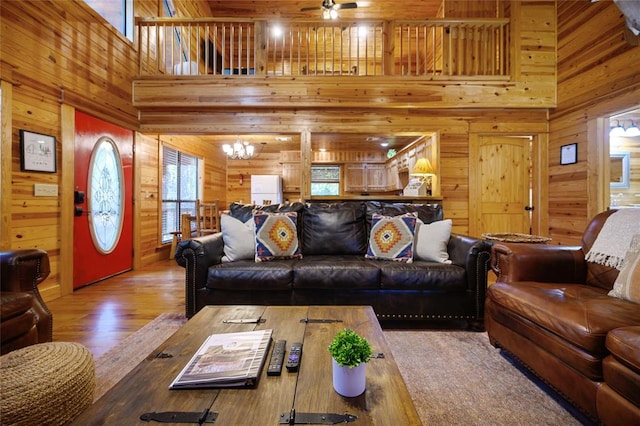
(118, 361)
(453, 377)
(458, 378)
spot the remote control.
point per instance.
(295, 353)
(277, 356)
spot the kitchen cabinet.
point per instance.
(291, 177)
(365, 178)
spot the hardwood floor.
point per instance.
(102, 314)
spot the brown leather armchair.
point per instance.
(25, 318)
(550, 309)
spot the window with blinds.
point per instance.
(325, 180)
(179, 189)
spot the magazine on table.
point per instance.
(226, 360)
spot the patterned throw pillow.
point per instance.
(276, 236)
(627, 285)
(391, 238)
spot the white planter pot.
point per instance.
(347, 381)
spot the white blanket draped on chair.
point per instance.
(614, 239)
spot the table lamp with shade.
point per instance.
(420, 179)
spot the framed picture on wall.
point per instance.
(37, 152)
(569, 154)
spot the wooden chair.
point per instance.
(187, 228)
(207, 215)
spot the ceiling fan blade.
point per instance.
(307, 9)
(346, 6)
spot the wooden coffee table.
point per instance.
(145, 389)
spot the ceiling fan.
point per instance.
(330, 8)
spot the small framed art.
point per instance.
(37, 152)
(569, 154)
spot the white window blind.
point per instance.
(179, 189)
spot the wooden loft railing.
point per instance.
(434, 48)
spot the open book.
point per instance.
(226, 360)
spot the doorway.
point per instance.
(502, 184)
(103, 198)
(621, 160)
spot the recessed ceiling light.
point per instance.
(283, 138)
(384, 144)
(372, 139)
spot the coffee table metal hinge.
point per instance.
(258, 320)
(195, 417)
(293, 418)
(319, 320)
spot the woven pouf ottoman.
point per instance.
(46, 384)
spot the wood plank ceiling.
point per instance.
(289, 9)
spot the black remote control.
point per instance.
(277, 356)
(295, 353)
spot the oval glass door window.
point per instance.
(105, 195)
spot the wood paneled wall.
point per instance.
(57, 56)
(54, 55)
(597, 76)
(454, 128)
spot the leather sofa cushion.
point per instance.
(580, 314)
(13, 304)
(352, 272)
(624, 345)
(334, 228)
(18, 321)
(427, 213)
(422, 275)
(244, 275)
(621, 379)
(244, 212)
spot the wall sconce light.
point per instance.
(617, 130)
(632, 131)
(620, 131)
(239, 151)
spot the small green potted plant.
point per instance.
(350, 353)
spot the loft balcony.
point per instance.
(206, 64)
(431, 49)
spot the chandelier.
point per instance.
(239, 151)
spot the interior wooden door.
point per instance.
(103, 225)
(500, 181)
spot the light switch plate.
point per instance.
(45, 190)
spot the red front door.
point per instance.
(103, 225)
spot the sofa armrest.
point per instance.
(473, 254)
(22, 271)
(538, 262)
(196, 255)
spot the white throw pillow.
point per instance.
(238, 238)
(431, 241)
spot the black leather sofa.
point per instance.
(334, 270)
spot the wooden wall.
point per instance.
(598, 75)
(57, 56)
(454, 129)
(53, 55)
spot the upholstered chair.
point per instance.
(25, 318)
